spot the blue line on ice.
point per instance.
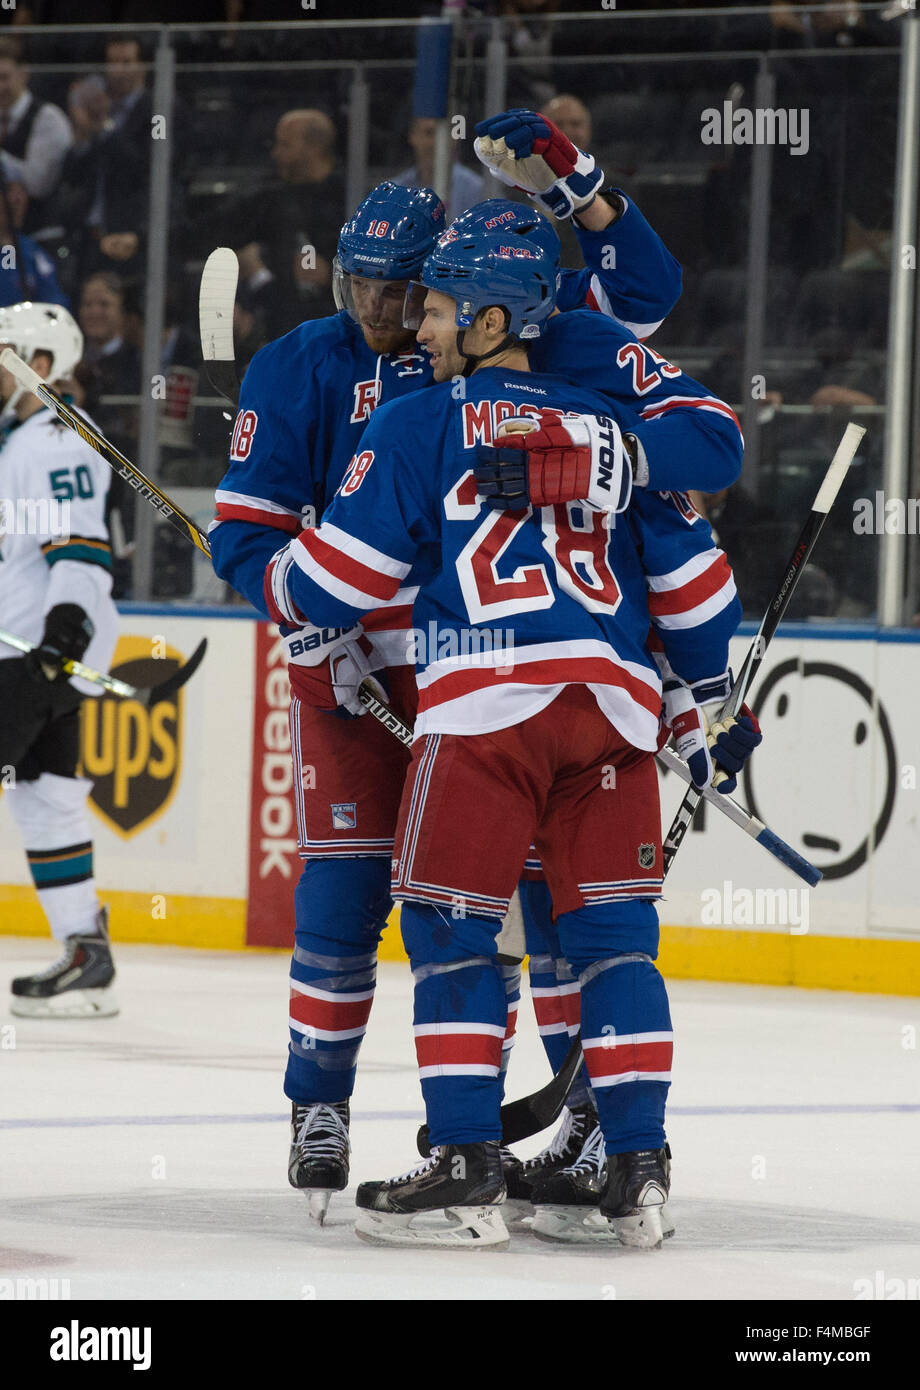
(89, 1121)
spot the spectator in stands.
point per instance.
(824, 23)
(102, 319)
(572, 117)
(25, 271)
(290, 228)
(111, 366)
(34, 135)
(104, 191)
(530, 37)
(465, 184)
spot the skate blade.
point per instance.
(516, 1211)
(580, 1226)
(472, 1228)
(318, 1199)
(572, 1225)
(643, 1230)
(76, 1003)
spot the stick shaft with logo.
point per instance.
(777, 608)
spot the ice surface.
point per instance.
(144, 1156)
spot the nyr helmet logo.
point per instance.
(520, 251)
(508, 216)
(446, 237)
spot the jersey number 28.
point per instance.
(574, 537)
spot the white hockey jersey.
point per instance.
(54, 546)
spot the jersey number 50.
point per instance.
(575, 538)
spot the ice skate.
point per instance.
(566, 1204)
(318, 1162)
(635, 1197)
(517, 1207)
(453, 1198)
(78, 985)
(564, 1147)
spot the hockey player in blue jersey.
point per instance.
(508, 751)
(305, 403)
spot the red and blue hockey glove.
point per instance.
(580, 458)
(715, 752)
(68, 632)
(527, 151)
(332, 662)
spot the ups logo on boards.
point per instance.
(133, 754)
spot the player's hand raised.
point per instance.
(527, 151)
(576, 458)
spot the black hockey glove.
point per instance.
(68, 632)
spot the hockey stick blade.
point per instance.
(216, 298)
(528, 1116)
(155, 694)
(107, 450)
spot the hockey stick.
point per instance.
(216, 298)
(113, 457)
(148, 695)
(777, 608)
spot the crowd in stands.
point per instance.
(260, 165)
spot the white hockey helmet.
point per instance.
(29, 328)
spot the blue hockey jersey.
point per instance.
(511, 606)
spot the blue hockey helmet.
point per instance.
(388, 237)
(497, 252)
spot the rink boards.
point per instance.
(195, 831)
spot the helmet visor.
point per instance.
(414, 305)
(376, 304)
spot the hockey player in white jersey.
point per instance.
(56, 592)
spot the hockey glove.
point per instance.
(527, 151)
(581, 458)
(331, 680)
(68, 632)
(331, 661)
(715, 752)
